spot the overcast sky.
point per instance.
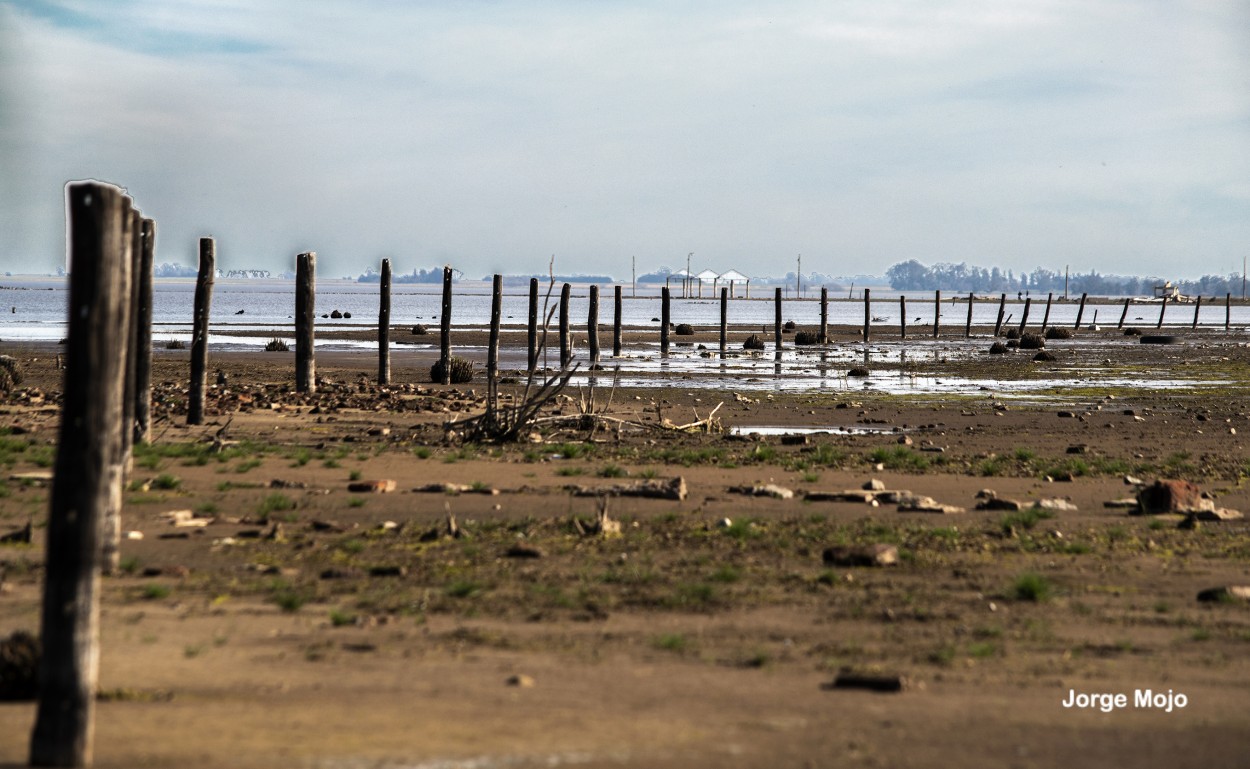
(491, 135)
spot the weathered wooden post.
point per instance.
(199, 333)
(384, 324)
(492, 347)
(1024, 319)
(445, 326)
(724, 322)
(86, 475)
(824, 315)
(1197, 307)
(777, 323)
(1228, 311)
(616, 322)
(1002, 307)
(142, 336)
(1046, 315)
(902, 317)
(664, 321)
(592, 327)
(566, 354)
(867, 315)
(533, 325)
(133, 235)
(1080, 310)
(968, 324)
(1162, 311)
(1123, 313)
(937, 312)
(305, 322)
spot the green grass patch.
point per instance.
(1031, 586)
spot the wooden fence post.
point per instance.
(142, 337)
(566, 354)
(1123, 313)
(616, 323)
(305, 322)
(1162, 311)
(902, 319)
(533, 325)
(592, 327)
(1228, 311)
(664, 321)
(492, 347)
(1002, 307)
(1046, 315)
(384, 324)
(937, 312)
(1024, 319)
(199, 333)
(724, 322)
(1197, 307)
(84, 476)
(968, 324)
(133, 252)
(444, 341)
(1080, 310)
(777, 323)
(824, 315)
(867, 315)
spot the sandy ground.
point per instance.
(297, 628)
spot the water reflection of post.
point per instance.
(824, 367)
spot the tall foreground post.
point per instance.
(724, 321)
(1080, 310)
(937, 312)
(1123, 313)
(1002, 308)
(305, 322)
(566, 352)
(902, 317)
(1197, 307)
(533, 325)
(199, 334)
(968, 324)
(616, 324)
(592, 327)
(1228, 310)
(142, 336)
(444, 328)
(1024, 319)
(384, 324)
(133, 247)
(1046, 316)
(84, 477)
(1163, 309)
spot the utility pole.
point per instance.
(633, 275)
(1065, 283)
(798, 280)
(686, 291)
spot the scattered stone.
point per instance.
(998, 348)
(764, 490)
(134, 535)
(341, 572)
(867, 555)
(794, 440)
(1000, 503)
(1055, 503)
(328, 526)
(186, 519)
(35, 477)
(179, 571)
(1127, 503)
(1225, 594)
(876, 683)
(19, 667)
(456, 488)
(371, 487)
(905, 440)
(522, 550)
(922, 504)
(521, 680)
(874, 484)
(388, 571)
(1079, 448)
(1217, 514)
(278, 483)
(1131, 481)
(1045, 357)
(673, 488)
(858, 371)
(1171, 496)
(1065, 415)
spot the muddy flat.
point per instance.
(656, 573)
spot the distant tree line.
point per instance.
(171, 270)
(432, 275)
(914, 276)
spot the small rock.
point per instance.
(1170, 496)
(764, 490)
(868, 555)
(920, 504)
(371, 487)
(1226, 594)
(1066, 415)
(874, 484)
(522, 550)
(876, 683)
(521, 680)
(1055, 503)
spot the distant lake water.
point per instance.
(35, 309)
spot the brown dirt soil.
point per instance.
(296, 630)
